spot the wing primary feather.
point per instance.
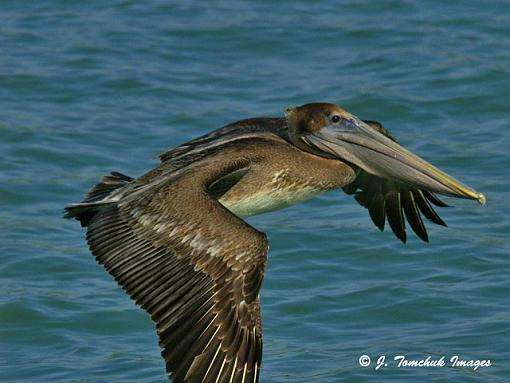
(258, 356)
(201, 362)
(182, 355)
(426, 209)
(233, 371)
(211, 363)
(360, 198)
(185, 328)
(370, 191)
(212, 337)
(413, 215)
(434, 199)
(218, 368)
(197, 347)
(244, 372)
(227, 370)
(351, 188)
(377, 207)
(394, 214)
(377, 211)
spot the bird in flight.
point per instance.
(176, 242)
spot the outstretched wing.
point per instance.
(197, 275)
(199, 147)
(394, 201)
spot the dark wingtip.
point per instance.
(413, 215)
(395, 215)
(360, 198)
(434, 199)
(426, 208)
(396, 203)
(377, 211)
(400, 234)
(351, 188)
(423, 235)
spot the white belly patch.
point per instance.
(269, 200)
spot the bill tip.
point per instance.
(481, 198)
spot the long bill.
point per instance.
(354, 141)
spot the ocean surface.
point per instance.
(90, 87)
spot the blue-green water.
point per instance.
(89, 87)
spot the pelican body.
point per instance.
(175, 240)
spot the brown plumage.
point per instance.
(175, 241)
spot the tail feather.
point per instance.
(97, 198)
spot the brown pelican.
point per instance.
(174, 239)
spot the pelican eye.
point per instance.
(335, 118)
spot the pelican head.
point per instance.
(329, 131)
